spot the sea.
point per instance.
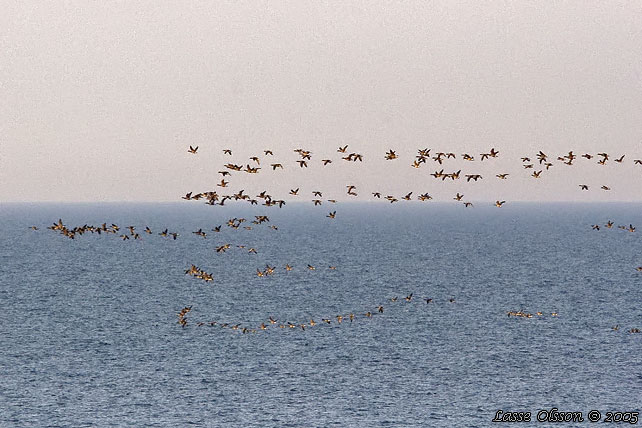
(440, 333)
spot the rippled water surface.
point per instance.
(89, 332)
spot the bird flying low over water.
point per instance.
(499, 203)
(200, 232)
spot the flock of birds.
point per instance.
(269, 270)
(114, 229)
(523, 314)
(542, 163)
(609, 225)
(213, 197)
(303, 325)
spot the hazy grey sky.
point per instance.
(100, 100)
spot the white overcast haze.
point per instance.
(101, 100)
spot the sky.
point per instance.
(101, 100)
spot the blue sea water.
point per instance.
(89, 334)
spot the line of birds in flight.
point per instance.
(337, 319)
(609, 225)
(422, 157)
(72, 232)
(522, 314)
(268, 270)
(213, 197)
